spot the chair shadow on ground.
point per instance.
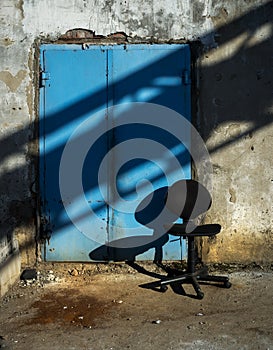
(153, 214)
(127, 249)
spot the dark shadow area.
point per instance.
(236, 90)
(127, 249)
(188, 199)
(147, 214)
(239, 88)
(168, 271)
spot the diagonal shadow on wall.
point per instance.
(241, 83)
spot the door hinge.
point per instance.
(44, 76)
(186, 77)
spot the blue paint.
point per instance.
(81, 83)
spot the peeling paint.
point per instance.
(11, 81)
(232, 193)
(20, 6)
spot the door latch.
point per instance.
(44, 76)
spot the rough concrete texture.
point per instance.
(233, 96)
(111, 311)
(235, 113)
(9, 271)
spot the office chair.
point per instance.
(188, 199)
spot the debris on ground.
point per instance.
(100, 311)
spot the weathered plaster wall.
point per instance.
(236, 121)
(234, 113)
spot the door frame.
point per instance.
(44, 232)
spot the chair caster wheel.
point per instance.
(227, 284)
(163, 289)
(200, 295)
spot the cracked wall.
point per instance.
(232, 106)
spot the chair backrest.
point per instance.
(188, 199)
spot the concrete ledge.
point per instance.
(9, 272)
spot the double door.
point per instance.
(111, 140)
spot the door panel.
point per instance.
(76, 88)
(153, 74)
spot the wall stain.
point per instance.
(6, 42)
(29, 87)
(20, 7)
(232, 198)
(13, 82)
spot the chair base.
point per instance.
(193, 278)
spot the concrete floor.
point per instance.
(81, 309)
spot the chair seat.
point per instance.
(202, 230)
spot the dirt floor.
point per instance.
(78, 308)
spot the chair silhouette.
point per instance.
(188, 199)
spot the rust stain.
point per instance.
(68, 308)
(13, 82)
(6, 42)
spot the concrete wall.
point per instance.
(235, 120)
(233, 99)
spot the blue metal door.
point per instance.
(97, 137)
